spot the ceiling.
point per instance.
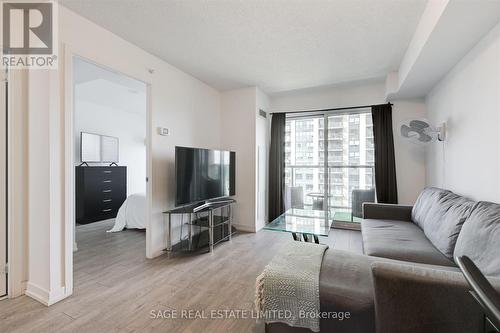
(103, 87)
(447, 33)
(276, 45)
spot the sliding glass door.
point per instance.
(329, 163)
(304, 162)
(350, 164)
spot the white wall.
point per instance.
(468, 100)
(18, 173)
(190, 108)
(410, 159)
(351, 94)
(128, 127)
(46, 228)
(262, 142)
(238, 129)
(245, 132)
(187, 106)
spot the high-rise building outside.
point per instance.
(350, 156)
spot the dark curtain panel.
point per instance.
(385, 163)
(277, 166)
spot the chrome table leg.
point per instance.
(211, 231)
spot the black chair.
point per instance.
(294, 197)
(483, 292)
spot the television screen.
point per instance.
(203, 174)
(95, 148)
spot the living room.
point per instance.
(310, 166)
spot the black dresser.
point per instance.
(100, 191)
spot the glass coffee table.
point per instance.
(303, 224)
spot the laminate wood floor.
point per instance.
(116, 288)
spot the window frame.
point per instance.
(323, 146)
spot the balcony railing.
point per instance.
(336, 184)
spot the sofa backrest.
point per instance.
(441, 215)
(425, 201)
(480, 238)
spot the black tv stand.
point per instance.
(210, 222)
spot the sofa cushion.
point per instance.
(400, 240)
(446, 220)
(424, 204)
(345, 284)
(441, 214)
(480, 238)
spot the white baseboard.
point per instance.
(242, 227)
(37, 293)
(259, 226)
(156, 254)
(44, 296)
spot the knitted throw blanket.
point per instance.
(287, 291)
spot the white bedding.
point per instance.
(132, 213)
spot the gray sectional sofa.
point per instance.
(407, 281)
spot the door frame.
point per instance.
(4, 81)
(17, 238)
(69, 54)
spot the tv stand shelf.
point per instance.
(205, 218)
(204, 223)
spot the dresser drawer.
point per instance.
(105, 176)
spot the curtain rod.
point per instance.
(335, 109)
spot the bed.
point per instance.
(132, 213)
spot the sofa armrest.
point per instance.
(411, 299)
(386, 211)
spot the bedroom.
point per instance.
(110, 162)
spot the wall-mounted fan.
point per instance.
(419, 131)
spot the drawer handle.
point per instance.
(107, 181)
(107, 200)
(106, 210)
(107, 171)
(107, 191)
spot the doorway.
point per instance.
(110, 140)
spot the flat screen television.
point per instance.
(95, 148)
(203, 174)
